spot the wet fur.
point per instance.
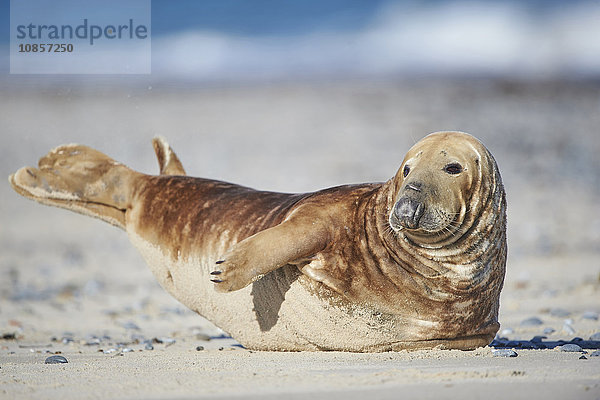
(314, 271)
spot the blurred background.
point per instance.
(301, 95)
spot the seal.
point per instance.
(415, 262)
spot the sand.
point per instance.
(75, 286)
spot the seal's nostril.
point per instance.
(416, 186)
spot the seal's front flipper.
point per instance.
(168, 161)
(80, 179)
(254, 257)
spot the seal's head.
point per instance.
(443, 180)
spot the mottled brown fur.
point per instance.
(331, 270)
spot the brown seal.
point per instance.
(414, 262)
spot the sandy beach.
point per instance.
(73, 286)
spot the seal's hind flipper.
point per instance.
(168, 161)
(79, 179)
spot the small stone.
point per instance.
(504, 353)
(56, 360)
(550, 293)
(199, 348)
(590, 315)
(567, 328)
(583, 358)
(67, 340)
(8, 336)
(533, 321)
(202, 336)
(595, 336)
(137, 338)
(595, 354)
(164, 340)
(93, 287)
(507, 331)
(148, 346)
(538, 339)
(571, 348)
(130, 325)
(548, 331)
(559, 312)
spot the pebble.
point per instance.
(8, 336)
(538, 339)
(167, 341)
(507, 331)
(570, 348)
(533, 321)
(137, 338)
(202, 336)
(126, 350)
(583, 358)
(199, 348)
(55, 360)
(504, 353)
(130, 325)
(559, 312)
(595, 354)
(590, 315)
(567, 328)
(549, 331)
(148, 346)
(595, 336)
(93, 287)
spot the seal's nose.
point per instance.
(409, 212)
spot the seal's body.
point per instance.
(415, 262)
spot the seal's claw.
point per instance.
(233, 271)
(216, 280)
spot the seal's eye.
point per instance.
(405, 171)
(453, 169)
